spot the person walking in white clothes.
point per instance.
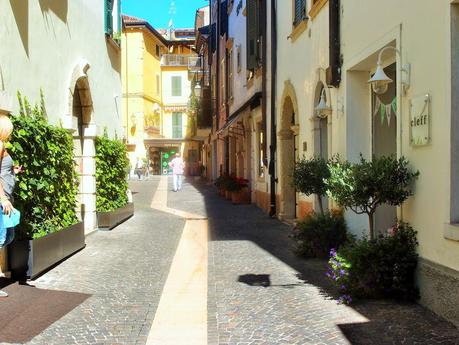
(177, 166)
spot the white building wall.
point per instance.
(41, 46)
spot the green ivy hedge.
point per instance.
(112, 166)
(46, 192)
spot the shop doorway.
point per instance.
(384, 139)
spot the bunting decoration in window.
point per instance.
(385, 110)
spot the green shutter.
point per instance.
(109, 17)
(176, 125)
(176, 86)
(119, 28)
(252, 34)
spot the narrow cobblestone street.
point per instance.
(258, 291)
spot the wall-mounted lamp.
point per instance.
(380, 81)
(322, 110)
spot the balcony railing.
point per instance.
(177, 59)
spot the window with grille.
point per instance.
(176, 86)
(176, 125)
(299, 11)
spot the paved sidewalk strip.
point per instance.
(181, 317)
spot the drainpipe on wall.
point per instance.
(273, 146)
(264, 62)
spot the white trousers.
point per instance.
(177, 181)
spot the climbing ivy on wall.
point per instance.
(112, 166)
(46, 192)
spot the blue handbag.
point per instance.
(11, 220)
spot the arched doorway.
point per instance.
(80, 122)
(288, 144)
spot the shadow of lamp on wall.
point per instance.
(20, 10)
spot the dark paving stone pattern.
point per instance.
(123, 271)
(261, 293)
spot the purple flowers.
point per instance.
(339, 273)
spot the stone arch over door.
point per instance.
(79, 120)
(287, 143)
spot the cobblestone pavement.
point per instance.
(124, 270)
(260, 293)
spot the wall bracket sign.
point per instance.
(420, 120)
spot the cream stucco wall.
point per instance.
(430, 57)
(43, 42)
(301, 63)
(57, 46)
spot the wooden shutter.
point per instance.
(109, 17)
(252, 34)
(300, 11)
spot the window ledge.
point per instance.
(112, 42)
(451, 231)
(316, 8)
(298, 30)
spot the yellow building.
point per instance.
(142, 48)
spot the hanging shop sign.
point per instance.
(420, 120)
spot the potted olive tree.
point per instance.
(365, 185)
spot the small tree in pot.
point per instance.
(309, 176)
(363, 186)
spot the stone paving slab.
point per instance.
(124, 270)
(261, 293)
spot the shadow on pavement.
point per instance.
(28, 311)
(389, 322)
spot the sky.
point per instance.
(157, 12)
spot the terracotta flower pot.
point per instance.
(236, 197)
(228, 195)
(245, 196)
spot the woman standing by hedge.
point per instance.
(7, 182)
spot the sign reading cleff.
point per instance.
(420, 118)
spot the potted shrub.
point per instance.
(309, 176)
(220, 183)
(46, 193)
(238, 187)
(112, 203)
(363, 186)
(382, 267)
(318, 233)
